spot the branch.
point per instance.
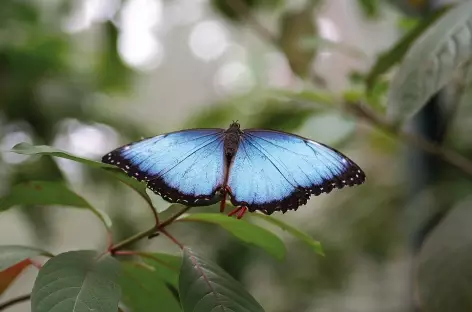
(148, 233)
(12, 302)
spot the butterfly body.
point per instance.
(258, 169)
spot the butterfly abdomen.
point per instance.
(231, 141)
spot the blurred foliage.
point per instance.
(41, 87)
(293, 26)
(236, 10)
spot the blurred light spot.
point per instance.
(86, 140)
(183, 12)
(11, 139)
(137, 44)
(236, 52)
(90, 11)
(329, 31)
(138, 15)
(89, 141)
(279, 73)
(208, 40)
(234, 77)
(140, 50)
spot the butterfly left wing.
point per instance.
(275, 170)
(183, 167)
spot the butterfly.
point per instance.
(258, 169)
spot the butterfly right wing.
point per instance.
(185, 167)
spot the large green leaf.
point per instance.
(444, 264)
(431, 62)
(316, 245)
(28, 149)
(164, 265)
(204, 287)
(145, 290)
(388, 59)
(13, 254)
(48, 193)
(77, 281)
(243, 230)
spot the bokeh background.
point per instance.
(89, 75)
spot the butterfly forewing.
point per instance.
(186, 166)
(275, 170)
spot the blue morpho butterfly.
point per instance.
(259, 169)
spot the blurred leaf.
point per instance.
(114, 75)
(315, 245)
(204, 287)
(283, 116)
(9, 275)
(444, 270)
(320, 42)
(28, 149)
(144, 290)
(77, 281)
(13, 254)
(237, 10)
(294, 27)
(388, 59)
(48, 193)
(243, 230)
(431, 62)
(165, 266)
(370, 8)
(322, 98)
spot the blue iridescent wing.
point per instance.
(185, 167)
(275, 170)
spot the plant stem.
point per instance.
(149, 232)
(12, 302)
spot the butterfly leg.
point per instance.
(225, 191)
(239, 211)
(242, 212)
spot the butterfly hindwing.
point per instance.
(275, 170)
(185, 167)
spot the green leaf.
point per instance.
(294, 27)
(370, 8)
(443, 268)
(316, 245)
(145, 290)
(165, 266)
(431, 62)
(13, 254)
(243, 230)
(388, 59)
(77, 281)
(204, 287)
(28, 149)
(48, 193)
(324, 99)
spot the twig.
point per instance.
(148, 233)
(5, 305)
